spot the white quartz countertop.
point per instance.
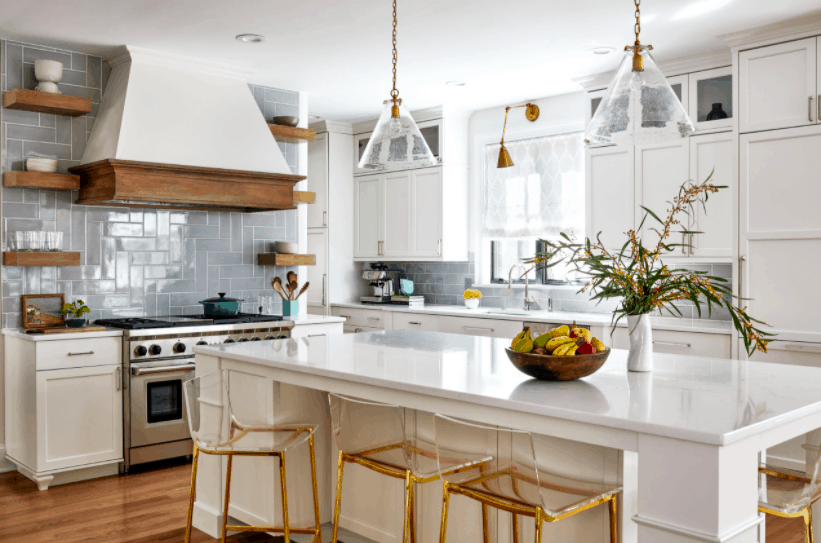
(21, 333)
(704, 400)
(300, 320)
(587, 319)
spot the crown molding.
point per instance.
(337, 127)
(677, 66)
(789, 28)
(129, 53)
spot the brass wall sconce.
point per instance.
(531, 114)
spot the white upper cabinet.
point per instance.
(396, 211)
(610, 194)
(368, 216)
(661, 169)
(318, 180)
(317, 295)
(711, 99)
(713, 153)
(681, 87)
(778, 86)
(427, 213)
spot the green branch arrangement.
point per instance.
(642, 281)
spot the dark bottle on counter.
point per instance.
(717, 113)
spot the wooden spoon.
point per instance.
(277, 285)
(294, 287)
(303, 289)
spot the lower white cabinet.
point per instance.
(684, 343)
(480, 327)
(316, 330)
(414, 321)
(368, 318)
(64, 408)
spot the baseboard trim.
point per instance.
(5, 465)
(788, 463)
(693, 535)
(207, 519)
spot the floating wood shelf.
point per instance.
(302, 197)
(39, 180)
(290, 134)
(279, 259)
(44, 102)
(41, 259)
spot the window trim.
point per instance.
(541, 275)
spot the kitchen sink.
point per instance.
(521, 312)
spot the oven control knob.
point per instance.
(155, 350)
(179, 348)
(256, 339)
(140, 350)
(243, 339)
(270, 337)
(202, 343)
(229, 340)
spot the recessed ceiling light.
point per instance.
(603, 50)
(251, 38)
(455, 83)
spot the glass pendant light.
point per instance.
(396, 142)
(639, 106)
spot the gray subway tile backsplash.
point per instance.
(134, 261)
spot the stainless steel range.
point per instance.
(157, 357)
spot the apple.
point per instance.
(586, 348)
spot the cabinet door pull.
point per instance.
(164, 369)
(803, 348)
(80, 354)
(478, 328)
(344, 316)
(691, 245)
(324, 218)
(741, 260)
(439, 248)
(119, 379)
(416, 323)
(809, 110)
(373, 318)
(324, 281)
(317, 335)
(670, 343)
(818, 105)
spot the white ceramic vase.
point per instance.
(640, 355)
(48, 74)
(472, 303)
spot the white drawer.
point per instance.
(480, 327)
(413, 321)
(78, 353)
(788, 352)
(350, 329)
(311, 330)
(372, 318)
(687, 343)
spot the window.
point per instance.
(539, 197)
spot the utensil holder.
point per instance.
(290, 308)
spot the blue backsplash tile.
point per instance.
(134, 261)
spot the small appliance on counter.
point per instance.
(405, 296)
(380, 284)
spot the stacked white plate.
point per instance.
(43, 165)
(285, 248)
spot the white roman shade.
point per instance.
(541, 195)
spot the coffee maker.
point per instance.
(380, 284)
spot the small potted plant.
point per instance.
(76, 310)
(472, 297)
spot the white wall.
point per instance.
(558, 115)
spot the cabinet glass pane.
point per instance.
(715, 98)
(677, 90)
(594, 105)
(431, 135)
(363, 143)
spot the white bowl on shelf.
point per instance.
(48, 74)
(43, 165)
(286, 248)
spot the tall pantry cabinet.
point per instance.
(335, 278)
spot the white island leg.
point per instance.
(692, 492)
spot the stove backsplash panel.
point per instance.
(135, 262)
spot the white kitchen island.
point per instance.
(684, 440)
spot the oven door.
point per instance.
(158, 413)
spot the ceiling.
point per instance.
(338, 51)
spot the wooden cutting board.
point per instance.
(67, 330)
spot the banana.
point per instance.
(555, 343)
(525, 333)
(581, 332)
(562, 349)
(600, 347)
(572, 350)
(560, 331)
(524, 345)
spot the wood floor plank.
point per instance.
(149, 507)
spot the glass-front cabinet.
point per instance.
(432, 131)
(711, 99)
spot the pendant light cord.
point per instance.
(637, 28)
(394, 92)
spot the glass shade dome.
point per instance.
(639, 107)
(396, 143)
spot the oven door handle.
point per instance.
(162, 369)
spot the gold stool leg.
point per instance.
(515, 528)
(538, 525)
(227, 496)
(809, 523)
(285, 527)
(408, 498)
(318, 538)
(443, 529)
(614, 508)
(193, 494)
(413, 513)
(338, 500)
(485, 527)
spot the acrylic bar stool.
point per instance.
(512, 480)
(790, 494)
(373, 435)
(220, 427)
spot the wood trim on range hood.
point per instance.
(130, 183)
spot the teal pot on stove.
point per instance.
(221, 306)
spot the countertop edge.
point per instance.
(20, 333)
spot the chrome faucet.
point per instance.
(528, 300)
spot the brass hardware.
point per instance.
(324, 218)
(638, 61)
(394, 93)
(373, 318)
(415, 323)
(670, 343)
(741, 260)
(809, 109)
(317, 335)
(531, 114)
(80, 354)
(477, 328)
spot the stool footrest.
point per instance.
(270, 529)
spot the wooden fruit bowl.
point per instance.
(547, 367)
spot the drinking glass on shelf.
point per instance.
(54, 241)
(34, 241)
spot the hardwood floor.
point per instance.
(149, 507)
